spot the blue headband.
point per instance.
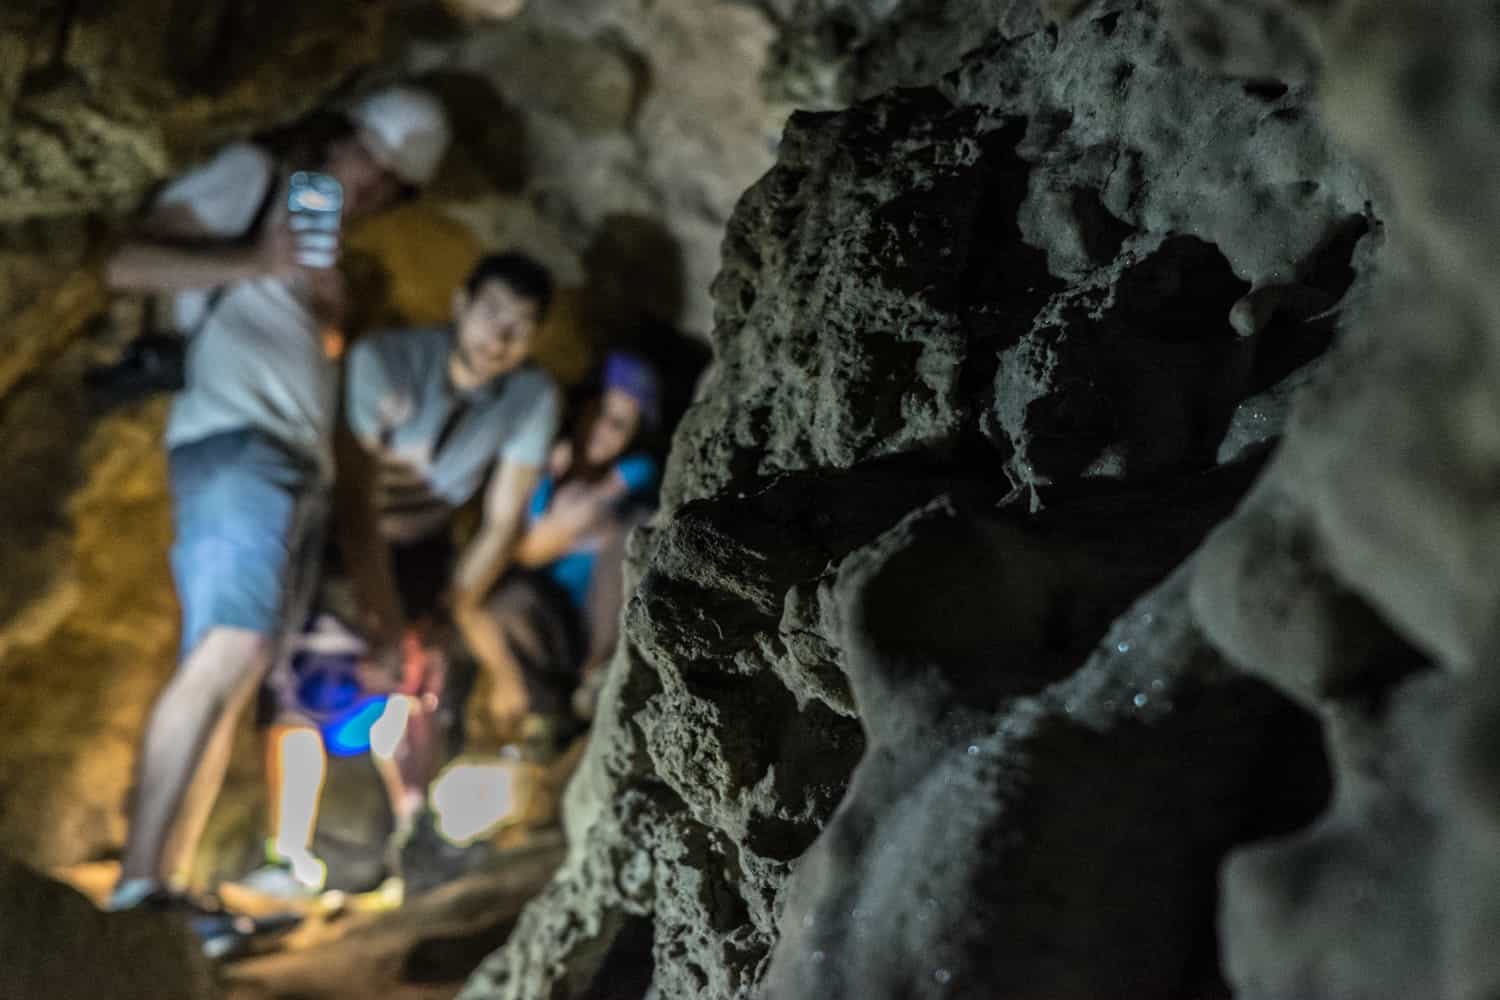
(633, 376)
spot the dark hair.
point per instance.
(305, 144)
(520, 273)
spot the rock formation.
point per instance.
(57, 944)
(1076, 573)
(1360, 576)
(996, 346)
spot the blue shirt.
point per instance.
(574, 572)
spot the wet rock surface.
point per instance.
(1041, 605)
(1380, 498)
(1059, 279)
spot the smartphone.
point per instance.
(315, 205)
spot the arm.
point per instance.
(143, 266)
(192, 236)
(505, 501)
(556, 533)
(485, 559)
(481, 564)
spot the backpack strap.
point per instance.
(246, 238)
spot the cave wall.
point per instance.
(58, 944)
(921, 695)
(1360, 578)
(1028, 547)
(608, 139)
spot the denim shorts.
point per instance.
(247, 513)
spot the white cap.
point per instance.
(405, 129)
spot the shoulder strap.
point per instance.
(267, 199)
(257, 222)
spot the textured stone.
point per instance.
(1044, 283)
(58, 945)
(619, 135)
(1384, 481)
(1059, 846)
(1002, 171)
(1344, 909)
(116, 94)
(1058, 261)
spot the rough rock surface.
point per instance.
(1044, 278)
(1361, 576)
(927, 687)
(57, 944)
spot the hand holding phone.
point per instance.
(315, 205)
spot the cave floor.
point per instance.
(364, 946)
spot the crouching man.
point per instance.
(432, 419)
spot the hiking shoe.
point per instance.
(288, 878)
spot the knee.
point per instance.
(222, 670)
(493, 612)
(511, 603)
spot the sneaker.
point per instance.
(136, 893)
(300, 877)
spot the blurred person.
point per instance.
(432, 419)
(249, 439)
(559, 609)
(556, 612)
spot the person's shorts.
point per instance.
(246, 512)
(305, 690)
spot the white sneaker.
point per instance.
(299, 876)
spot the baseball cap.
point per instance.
(405, 129)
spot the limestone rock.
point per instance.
(619, 135)
(1003, 170)
(1060, 845)
(1346, 908)
(57, 944)
(114, 95)
(1044, 283)
(1381, 516)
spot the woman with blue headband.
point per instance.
(559, 608)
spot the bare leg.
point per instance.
(296, 765)
(211, 687)
(199, 802)
(499, 700)
(393, 751)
